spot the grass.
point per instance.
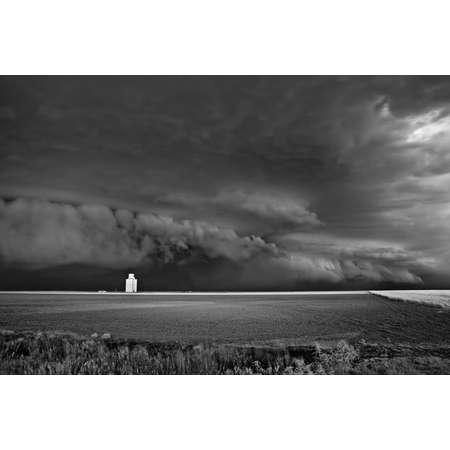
(47, 353)
(440, 298)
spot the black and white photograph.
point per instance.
(225, 225)
(195, 194)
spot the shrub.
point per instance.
(50, 353)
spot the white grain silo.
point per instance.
(131, 283)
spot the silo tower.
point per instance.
(131, 283)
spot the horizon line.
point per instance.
(143, 293)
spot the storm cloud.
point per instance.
(226, 182)
(38, 234)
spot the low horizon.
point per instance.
(178, 292)
(336, 291)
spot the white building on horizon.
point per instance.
(131, 283)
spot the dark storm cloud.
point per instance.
(39, 234)
(337, 178)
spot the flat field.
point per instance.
(300, 318)
(429, 297)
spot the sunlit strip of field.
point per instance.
(434, 297)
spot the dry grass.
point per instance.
(52, 353)
(427, 297)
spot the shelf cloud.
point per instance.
(39, 234)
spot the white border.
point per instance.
(224, 37)
(228, 412)
(232, 37)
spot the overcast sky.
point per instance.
(224, 182)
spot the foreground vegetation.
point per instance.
(56, 353)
